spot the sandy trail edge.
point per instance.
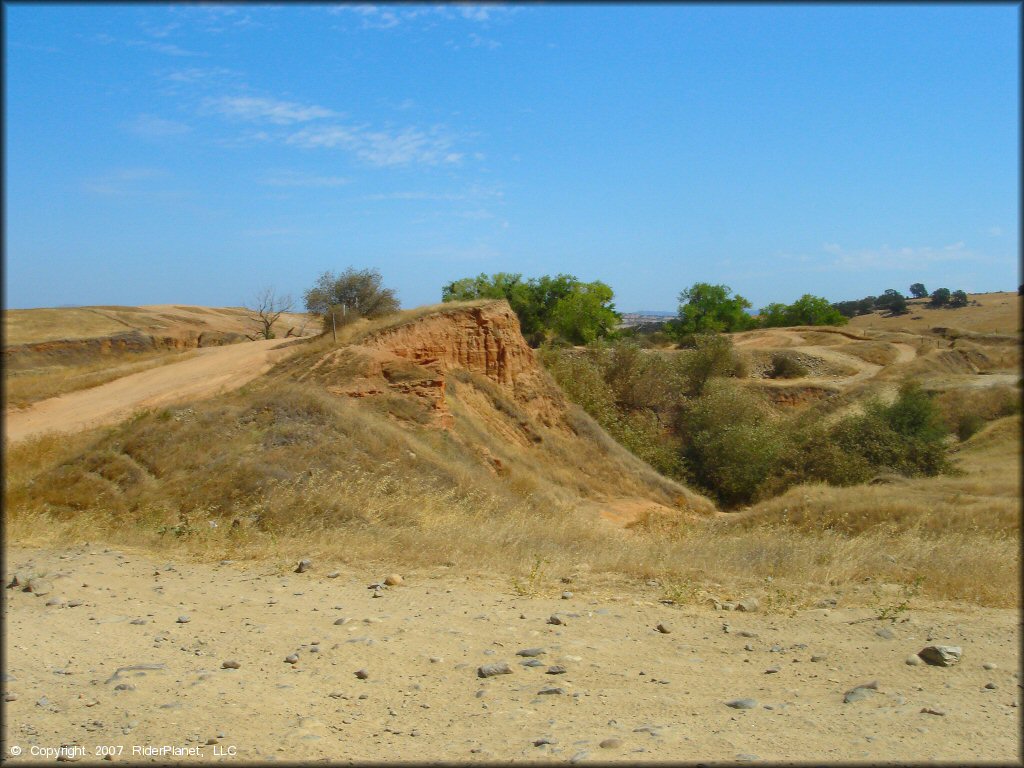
(662, 696)
(209, 372)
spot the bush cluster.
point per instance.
(686, 414)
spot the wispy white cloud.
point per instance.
(208, 76)
(382, 148)
(168, 49)
(152, 127)
(833, 256)
(389, 16)
(268, 110)
(299, 179)
(476, 41)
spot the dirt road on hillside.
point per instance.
(209, 372)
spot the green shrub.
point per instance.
(786, 366)
(713, 356)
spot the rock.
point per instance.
(490, 670)
(124, 687)
(746, 633)
(532, 663)
(748, 604)
(10, 696)
(664, 629)
(303, 566)
(39, 586)
(333, 574)
(728, 606)
(748, 647)
(230, 664)
(393, 580)
(741, 704)
(991, 686)
(579, 756)
(941, 655)
(74, 603)
(530, 652)
(566, 595)
(339, 622)
(362, 674)
(914, 660)
(860, 692)
(713, 602)
(828, 602)
(544, 740)
(933, 711)
(378, 592)
(988, 665)
(885, 633)
(772, 670)
(553, 619)
(138, 622)
(551, 691)
(436, 659)
(612, 743)
(55, 602)
(183, 619)
(819, 657)
(292, 658)
(556, 669)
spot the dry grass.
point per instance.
(27, 386)
(996, 313)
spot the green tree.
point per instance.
(940, 297)
(958, 299)
(918, 291)
(580, 312)
(704, 308)
(892, 300)
(354, 293)
(807, 310)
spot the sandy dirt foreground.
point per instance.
(127, 652)
(210, 371)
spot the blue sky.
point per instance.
(193, 154)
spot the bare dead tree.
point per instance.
(265, 310)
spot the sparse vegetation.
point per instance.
(786, 366)
(342, 299)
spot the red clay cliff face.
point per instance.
(416, 358)
(484, 340)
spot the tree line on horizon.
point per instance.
(563, 308)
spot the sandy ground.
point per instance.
(646, 695)
(207, 372)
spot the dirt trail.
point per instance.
(209, 372)
(131, 673)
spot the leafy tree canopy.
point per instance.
(358, 293)
(918, 291)
(706, 308)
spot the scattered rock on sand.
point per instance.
(885, 633)
(304, 565)
(530, 652)
(393, 580)
(39, 586)
(933, 711)
(230, 664)
(860, 692)
(490, 670)
(556, 669)
(612, 743)
(664, 629)
(748, 604)
(292, 658)
(741, 704)
(566, 595)
(362, 674)
(914, 660)
(184, 619)
(941, 655)
(555, 620)
(988, 665)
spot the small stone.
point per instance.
(828, 602)
(333, 574)
(988, 665)
(362, 674)
(54, 601)
(941, 655)
(378, 593)
(184, 619)
(567, 595)
(74, 603)
(556, 669)
(10, 696)
(303, 566)
(746, 633)
(530, 652)
(551, 691)
(748, 647)
(611, 743)
(713, 602)
(138, 622)
(933, 711)
(231, 664)
(555, 620)
(749, 604)
(292, 658)
(544, 740)
(532, 663)
(818, 657)
(772, 670)
(393, 580)
(664, 629)
(741, 704)
(579, 756)
(885, 633)
(124, 687)
(914, 660)
(39, 586)
(991, 686)
(339, 622)
(728, 606)
(436, 659)
(490, 670)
